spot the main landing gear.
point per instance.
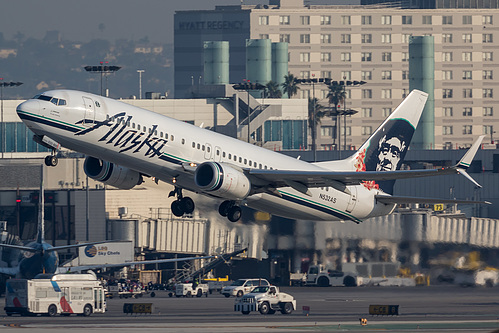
(183, 205)
(229, 209)
(51, 160)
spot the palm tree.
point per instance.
(273, 90)
(290, 85)
(315, 115)
(336, 95)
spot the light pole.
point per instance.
(140, 71)
(5, 84)
(101, 69)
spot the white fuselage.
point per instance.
(158, 146)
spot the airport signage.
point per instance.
(138, 308)
(384, 310)
(105, 253)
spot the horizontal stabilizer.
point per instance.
(9, 270)
(388, 199)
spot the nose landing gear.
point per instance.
(229, 209)
(51, 160)
(183, 205)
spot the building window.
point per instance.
(447, 19)
(488, 129)
(284, 20)
(325, 20)
(305, 74)
(305, 20)
(406, 38)
(467, 75)
(386, 75)
(367, 112)
(366, 20)
(467, 112)
(487, 38)
(426, 19)
(366, 75)
(446, 75)
(345, 39)
(467, 93)
(405, 56)
(467, 38)
(346, 75)
(386, 56)
(305, 57)
(487, 75)
(386, 19)
(406, 19)
(386, 93)
(446, 93)
(487, 19)
(467, 129)
(346, 56)
(325, 56)
(448, 111)
(366, 130)
(446, 56)
(385, 112)
(264, 36)
(366, 38)
(487, 56)
(367, 93)
(327, 131)
(345, 20)
(346, 131)
(326, 74)
(446, 130)
(305, 39)
(325, 38)
(467, 19)
(405, 75)
(467, 56)
(366, 56)
(446, 38)
(386, 38)
(487, 93)
(284, 38)
(263, 20)
(487, 111)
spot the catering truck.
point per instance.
(63, 294)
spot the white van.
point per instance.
(243, 286)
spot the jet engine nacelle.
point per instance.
(111, 174)
(222, 180)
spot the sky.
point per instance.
(79, 20)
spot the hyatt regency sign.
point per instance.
(211, 25)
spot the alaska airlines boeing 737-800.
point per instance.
(124, 143)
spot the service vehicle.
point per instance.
(188, 290)
(318, 275)
(241, 287)
(63, 294)
(266, 300)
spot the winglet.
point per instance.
(465, 162)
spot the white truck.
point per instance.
(241, 287)
(63, 294)
(187, 290)
(266, 300)
(319, 276)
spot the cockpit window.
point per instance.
(62, 101)
(44, 98)
(54, 100)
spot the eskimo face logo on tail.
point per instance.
(120, 134)
(386, 151)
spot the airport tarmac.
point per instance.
(422, 309)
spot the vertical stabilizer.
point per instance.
(386, 147)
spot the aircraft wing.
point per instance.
(19, 247)
(65, 247)
(9, 270)
(302, 180)
(131, 263)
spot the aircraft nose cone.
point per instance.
(28, 107)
